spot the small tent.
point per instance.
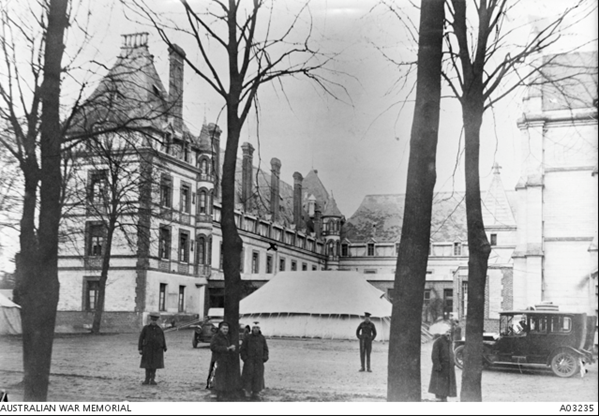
(10, 316)
(319, 304)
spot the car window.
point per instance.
(538, 324)
(561, 324)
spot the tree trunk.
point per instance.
(40, 297)
(479, 249)
(404, 380)
(104, 275)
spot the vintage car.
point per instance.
(561, 341)
(206, 328)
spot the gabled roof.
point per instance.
(312, 185)
(331, 210)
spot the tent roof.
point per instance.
(317, 292)
(7, 303)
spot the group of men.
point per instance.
(254, 353)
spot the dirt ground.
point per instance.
(106, 368)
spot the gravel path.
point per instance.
(106, 368)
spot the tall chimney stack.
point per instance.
(176, 57)
(297, 200)
(275, 173)
(247, 171)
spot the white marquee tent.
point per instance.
(319, 304)
(10, 316)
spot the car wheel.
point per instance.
(194, 341)
(564, 364)
(458, 355)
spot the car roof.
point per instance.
(539, 312)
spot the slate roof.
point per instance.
(379, 218)
(569, 81)
(497, 211)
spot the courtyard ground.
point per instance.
(106, 368)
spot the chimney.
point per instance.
(176, 57)
(275, 172)
(133, 41)
(297, 200)
(247, 171)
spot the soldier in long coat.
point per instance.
(254, 353)
(223, 353)
(443, 382)
(152, 346)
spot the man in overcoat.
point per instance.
(223, 354)
(366, 333)
(443, 382)
(254, 353)
(152, 346)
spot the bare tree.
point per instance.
(31, 110)
(255, 57)
(403, 382)
(484, 66)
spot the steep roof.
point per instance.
(497, 211)
(380, 217)
(319, 292)
(312, 185)
(569, 81)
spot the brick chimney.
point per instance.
(175, 85)
(214, 133)
(297, 200)
(247, 171)
(275, 173)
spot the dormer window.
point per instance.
(370, 249)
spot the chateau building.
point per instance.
(166, 250)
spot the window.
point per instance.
(314, 268)
(281, 264)
(164, 243)
(91, 294)
(242, 260)
(344, 250)
(390, 294)
(185, 198)
(371, 249)
(181, 298)
(184, 246)
(162, 297)
(203, 202)
(561, 324)
(464, 298)
(448, 300)
(255, 262)
(204, 166)
(493, 239)
(269, 263)
(427, 297)
(457, 249)
(304, 267)
(95, 240)
(397, 248)
(293, 265)
(166, 189)
(220, 256)
(201, 249)
(98, 187)
(369, 271)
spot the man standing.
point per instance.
(254, 353)
(443, 382)
(366, 333)
(152, 346)
(223, 353)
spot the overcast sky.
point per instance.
(359, 143)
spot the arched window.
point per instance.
(331, 248)
(204, 166)
(337, 248)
